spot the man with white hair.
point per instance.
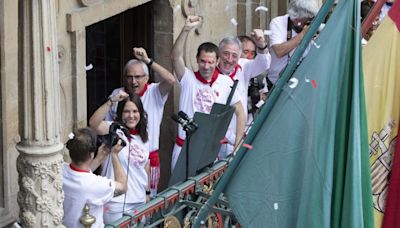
(153, 97)
(287, 31)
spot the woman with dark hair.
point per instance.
(134, 156)
(81, 186)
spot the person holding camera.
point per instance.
(81, 186)
(134, 157)
(287, 31)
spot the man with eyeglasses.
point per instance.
(153, 97)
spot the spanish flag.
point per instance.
(381, 58)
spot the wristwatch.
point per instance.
(263, 48)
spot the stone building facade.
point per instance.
(47, 89)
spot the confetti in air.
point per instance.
(293, 82)
(314, 84)
(48, 49)
(267, 32)
(88, 67)
(306, 80)
(234, 22)
(262, 8)
(177, 8)
(259, 103)
(315, 44)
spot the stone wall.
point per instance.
(9, 111)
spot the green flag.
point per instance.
(309, 166)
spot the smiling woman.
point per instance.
(134, 156)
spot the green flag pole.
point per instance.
(285, 76)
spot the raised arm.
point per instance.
(120, 178)
(167, 79)
(97, 122)
(258, 37)
(178, 49)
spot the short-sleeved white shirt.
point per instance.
(137, 156)
(278, 27)
(81, 188)
(153, 104)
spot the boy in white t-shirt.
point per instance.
(81, 186)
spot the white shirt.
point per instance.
(278, 27)
(137, 156)
(197, 96)
(153, 104)
(246, 70)
(81, 188)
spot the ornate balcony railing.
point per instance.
(178, 205)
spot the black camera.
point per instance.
(112, 137)
(255, 86)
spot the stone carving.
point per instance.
(88, 2)
(41, 195)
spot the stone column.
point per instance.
(39, 164)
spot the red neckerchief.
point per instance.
(133, 131)
(232, 75)
(141, 93)
(77, 169)
(201, 79)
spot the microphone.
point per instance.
(189, 120)
(183, 119)
(179, 119)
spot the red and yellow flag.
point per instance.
(381, 58)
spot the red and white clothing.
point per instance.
(81, 187)
(133, 157)
(198, 95)
(245, 70)
(279, 32)
(153, 104)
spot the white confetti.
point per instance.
(262, 8)
(306, 80)
(267, 32)
(88, 67)
(234, 22)
(321, 27)
(275, 206)
(293, 82)
(260, 103)
(177, 8)
(315, 44)
(71, 135)
(364, 41)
